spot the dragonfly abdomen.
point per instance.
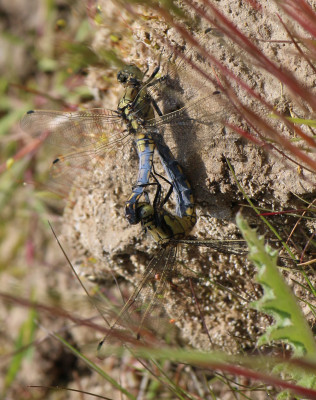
(145, 148)
(182, 187)
(162, 225)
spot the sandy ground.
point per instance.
(96, 225)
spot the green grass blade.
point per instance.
(301, 121)
(94, 367)
(25, 337)
(258, 212)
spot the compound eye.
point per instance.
(121, 77)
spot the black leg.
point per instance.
(166, 198)
(156, 107)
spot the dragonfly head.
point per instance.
(130, 76)
(145, 213)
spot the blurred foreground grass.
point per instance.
(38, 68)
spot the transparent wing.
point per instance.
(238, 247)
(146, 304)
(66, 171)
(145, 307)
(74, 129)
(190, 104)
(82, 140)
(178, 81)
(182, 77)
(191, 131)
(208, 110)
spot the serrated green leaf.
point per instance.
(290, 325)
(278, 300)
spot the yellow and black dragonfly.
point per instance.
(149, 112)
(156, 287)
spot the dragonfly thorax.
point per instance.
(135, 107)
(135, 104)
(126, 102)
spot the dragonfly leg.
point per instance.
(146, 197)
(154, 73)
(157, 198)
(166, 198)
(151, 81)
(147, 83)
(131, 205)
(156, 107)
(147, 69)
(159, 80)
(152, 76)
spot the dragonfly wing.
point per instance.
(66, 171)
(188, 101)
(146, 304)
(189, 131)
(83, 138)
(237, 247)
(74, 129)
(208, 110)
(183, 76)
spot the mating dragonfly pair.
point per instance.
(91, 134)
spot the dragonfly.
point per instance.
(169, 231)
(85, 137)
